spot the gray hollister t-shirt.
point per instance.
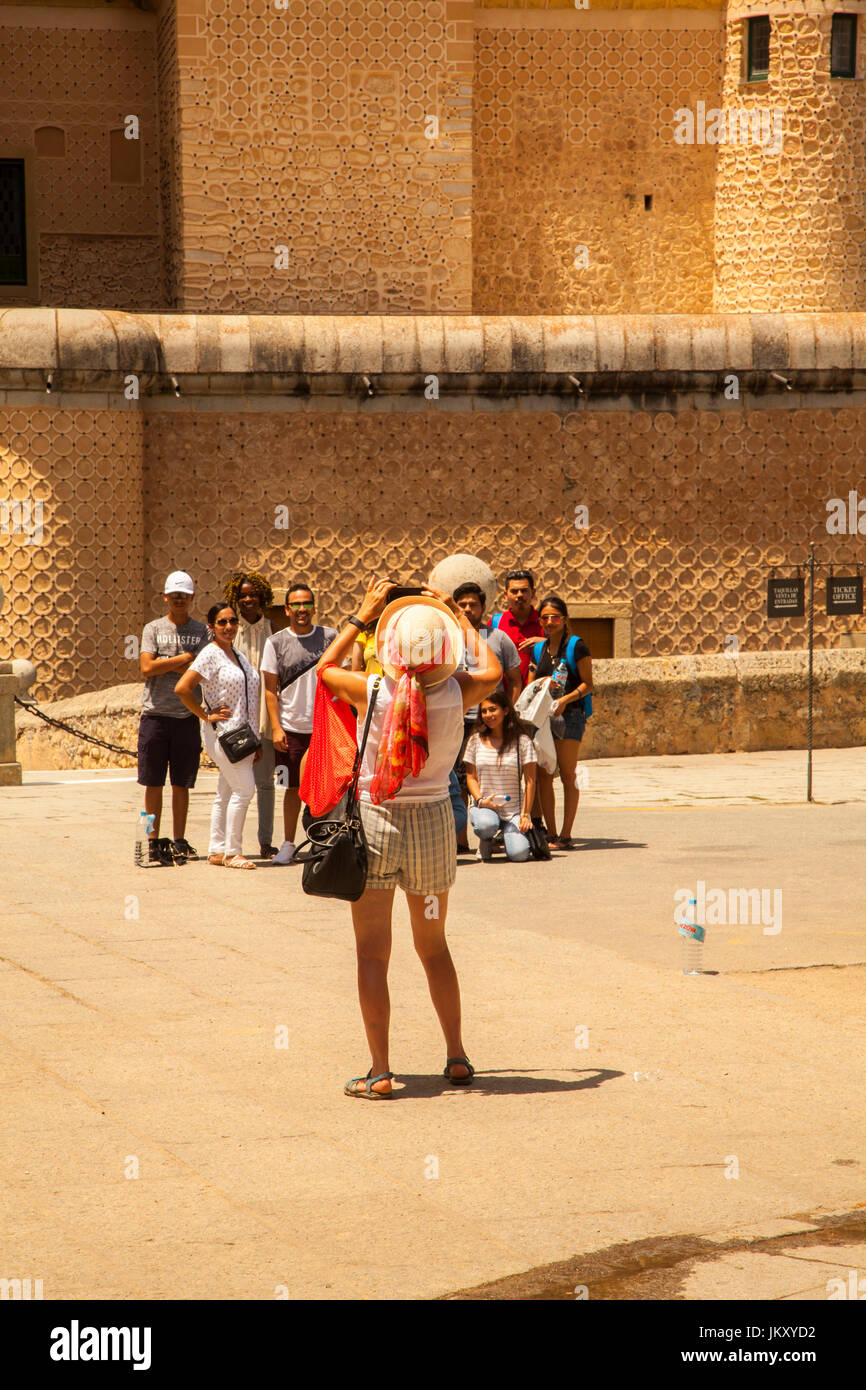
(164, 638)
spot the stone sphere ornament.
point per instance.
(25, 674)
(461, 569)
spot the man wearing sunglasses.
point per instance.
(169, 740)
(289, 674)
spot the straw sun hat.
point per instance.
(424, 630)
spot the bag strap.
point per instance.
(356, 770)
(240, 661)
(303, 671)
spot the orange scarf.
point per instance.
(403, 746)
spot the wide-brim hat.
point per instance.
(425, 630)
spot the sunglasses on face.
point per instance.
(226, 622)
(300, 605)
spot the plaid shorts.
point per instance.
(410, 846)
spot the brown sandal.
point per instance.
(217, 859)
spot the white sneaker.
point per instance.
(285, 854)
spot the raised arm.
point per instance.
(351, 686)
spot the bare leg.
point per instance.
(567, 751)
(179, 810)
(548, 802)
(291, 811)
(153, 807)
(371, 918)
(427, 914)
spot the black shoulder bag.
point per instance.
(238, 744)
(536, 835)
(335, 864)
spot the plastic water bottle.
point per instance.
(560, 674)
(146, 822)
(499, 801)
(693, 944)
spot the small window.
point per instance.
(13, 225)
(50, 142)
(843, 45)
(759, 49)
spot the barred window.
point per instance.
(13, 226)
(759, 48)
(843, 45)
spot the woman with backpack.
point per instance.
(568, 662)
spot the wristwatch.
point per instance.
(359, 623)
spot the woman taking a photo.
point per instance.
(567, 661)
(493, 776)
(415, 734)
(230, 689)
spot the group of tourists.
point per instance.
(438, 691)
(248, 674)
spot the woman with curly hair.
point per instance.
(249, 593)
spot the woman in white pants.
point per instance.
(230, 689)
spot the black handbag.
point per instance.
(334, 854)
(238, 744)
(536, 834)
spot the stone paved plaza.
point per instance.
(161, 1141)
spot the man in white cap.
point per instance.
(169, 738)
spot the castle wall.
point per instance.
(791, 223)
(686, 511)
(82, 71)
(72, 572)
(303, 128)
(574, 130)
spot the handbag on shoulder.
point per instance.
(238, 744)
(334, 855)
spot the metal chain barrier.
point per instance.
(32, 708)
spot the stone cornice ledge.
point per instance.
(330, 355)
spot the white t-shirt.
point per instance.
(222, 683)
(296, 702)
(444, 737)
(497, 773)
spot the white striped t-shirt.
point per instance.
(497, 774)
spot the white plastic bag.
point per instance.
(534, 705)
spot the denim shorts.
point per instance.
(570, 724)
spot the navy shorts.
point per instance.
(168, 745)
(571, 724)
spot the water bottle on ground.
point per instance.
(693, 944)
(146, 822)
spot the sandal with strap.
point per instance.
(459, 1080)
(368, 1093)
(237, 861)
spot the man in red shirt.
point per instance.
(520, 620)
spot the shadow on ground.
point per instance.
(502, 1083)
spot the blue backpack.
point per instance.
(570, 649)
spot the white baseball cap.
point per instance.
(179, 582)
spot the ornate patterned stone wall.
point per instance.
(573, 131)
(304, 128)
(73, 592)
(791, 223)
(169, 153)
(99, 242)
(685, 512)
